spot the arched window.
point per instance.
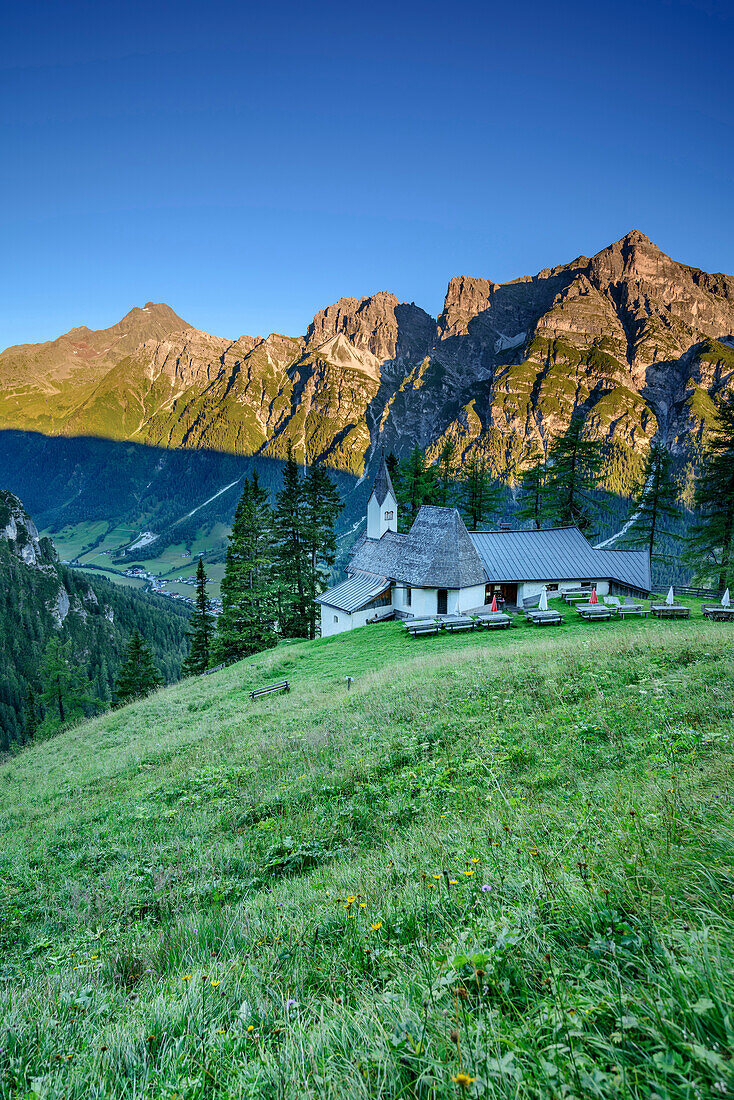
(336, 618)
(388, 515)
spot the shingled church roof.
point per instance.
(438, 553)
(383, 484)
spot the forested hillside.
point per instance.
(62, 635)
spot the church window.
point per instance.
(388, 515)
(336, 618)
(408, 595)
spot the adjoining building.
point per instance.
(440, 568)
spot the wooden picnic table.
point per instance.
(590, 611)
(631, 609)
(458, 623)
(719, 614)
(422, 626)
(492, 619)
(571, 596)
(540, 617)
(670, 611)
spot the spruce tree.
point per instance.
(247, 623)
(479, 495)
(414, 482)
(574, 472)
(321, 506)
(445, 486)
(200, 631)
(291, 553)
(533, 496)
(711, 548)
(655, 502)
(138, 675)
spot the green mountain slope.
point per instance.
(508, 858)
(41, 600)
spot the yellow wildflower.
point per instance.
(216, 983)
(186, 978)
(376, 926)
(469, 872)
(435, 876)
(463, 1080)
(453, 882)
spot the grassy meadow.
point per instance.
(500, 866)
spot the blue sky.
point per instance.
(249, 164)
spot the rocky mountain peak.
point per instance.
(378, 323)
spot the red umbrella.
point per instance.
(494, 603)
(593, 597)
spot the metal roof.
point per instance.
(355, 592)
(557, 554)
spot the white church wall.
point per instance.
(469, 598)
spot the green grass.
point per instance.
(503, 854)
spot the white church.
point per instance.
(440, 568)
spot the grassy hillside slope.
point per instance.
(498, 866)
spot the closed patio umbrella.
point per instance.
(543, 605)
(593, 598)
(725, 601)
(493, 606)
(670, 598)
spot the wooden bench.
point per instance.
(258, 692)
(628, 610)
(571, 597)
(208, 671)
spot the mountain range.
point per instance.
(639, 341)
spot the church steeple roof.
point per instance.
(383, 484)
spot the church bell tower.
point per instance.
(382, 507)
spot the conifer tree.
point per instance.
(138, 675)
(655, 502)
(445, 482)
(64, 690)
(479, 495)
(321, 506)
(30, 725)
(414, 482)
(574, 471)
(711, 548)
(533, 497)
(291, 553)
(201, 628)
(249, 609)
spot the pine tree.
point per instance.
(655, 502)
(711, 548)
(574, 471)
(249, 608)
(533, 497)
(479, 496)
(445, 488)
(321, 506)
(291, 553)
(201, 628)
(138, 675)
(415, 485)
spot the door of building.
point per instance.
(509, 594)
(442, 597)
